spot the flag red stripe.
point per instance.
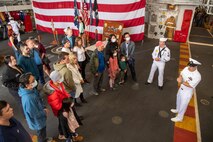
(127, 23)
(101, 7)
(136, 37)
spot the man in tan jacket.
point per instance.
(61, 67)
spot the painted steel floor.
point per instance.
(200, 35)
(132, 113)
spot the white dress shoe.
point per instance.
(175, 119)
(174, 110)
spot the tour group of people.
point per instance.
(64, 87)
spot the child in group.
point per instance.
(123, 67)
(68, 114)
(113, 69)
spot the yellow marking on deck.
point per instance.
(184, 63)
(184, 51)
(188, 124)
(184, 56)
(191, 103)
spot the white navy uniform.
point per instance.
(164, 55)
(15, 26)
(185, 93)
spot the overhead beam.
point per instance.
(15, 8)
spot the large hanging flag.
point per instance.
(95, 9)
(85, 13)
(130, 12)
(76, 13)
(90, 12)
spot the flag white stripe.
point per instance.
(99, 2)
(102, 15)
(61, 25)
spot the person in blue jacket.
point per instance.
(34, 53)
(26, 62)
(11, 129)
(33, 106)
(70, 37)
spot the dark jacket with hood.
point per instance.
(10, 77)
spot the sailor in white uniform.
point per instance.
(15, 26)
(160, 55)
(189, 79)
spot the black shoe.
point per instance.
(82, 98)
(77, 104)
(81, 117)
(83, 101)
(86, 81)
(102, 90)
(160, 87)
(147, 83)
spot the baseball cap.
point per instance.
(99, 43)
(55, 76)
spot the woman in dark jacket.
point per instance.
(111, 46)
(10, 76)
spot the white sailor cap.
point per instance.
(11, 18)
(163, 39)
(193, 62)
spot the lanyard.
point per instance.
(159, 53)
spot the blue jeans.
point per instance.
(72, 94)
(42, 134)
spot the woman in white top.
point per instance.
(66, 47)
(81, 55)
(77, 78)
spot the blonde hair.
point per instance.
(72, 57)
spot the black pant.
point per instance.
(41, 74)
(42, 134)
(83, 68)
(63, 126)
(77, 116)
(98, 80)
(132, 70)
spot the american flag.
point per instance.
(76, 14)
(85, 13)
(130, 12)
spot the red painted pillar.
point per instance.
(28, 23)
(181, 36)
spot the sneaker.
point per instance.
(121, 82)
(112, 88)
(95, 93)
(102, 90)
(175, 119)
(61, 137)
(174, 110)
(78, 138)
